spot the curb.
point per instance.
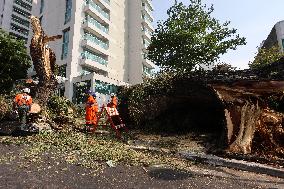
(232, 163)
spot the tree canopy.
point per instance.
(266, 56)
(191, 37)
(14, 60)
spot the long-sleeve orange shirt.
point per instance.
(23, 99)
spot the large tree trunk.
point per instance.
(44, 61)
(249, 120)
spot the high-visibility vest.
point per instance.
(23, 99)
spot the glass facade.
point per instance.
(21, 12)
(94, 39)
(79, 90)
(20, 20)
(96, 23)
(145, 29)
(23, 4)
(107, 1)
(146, 43)
(147, 71)
(19, 29)
(86, 54)
(41, 6)
(105, 88)
(19, 37)
(146, 18)
(65, 44)
(92, 4)
(68, 11)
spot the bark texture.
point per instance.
(43, 60)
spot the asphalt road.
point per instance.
(50, 174)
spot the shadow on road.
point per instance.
(168, 174)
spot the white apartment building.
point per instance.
(276, 37)
(103, 45)
(15, 18)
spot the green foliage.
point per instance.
(223, 68)
(61, 110)
(266, 56)
(144, 101)
(276, 102)
(5, 107)
(59, 105)
(190, 37)
(14, 60)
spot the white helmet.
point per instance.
(112, 94)
(26, 90)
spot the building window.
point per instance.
(79, 90)
(23, 4)
(20, 20)
(41, 6)
(19, 37)
(19, 29)
(21, 12)
(65, 43)
(68, 11)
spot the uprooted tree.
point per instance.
(44, 61)
(238, 111)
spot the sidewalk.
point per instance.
(218, 161)
(232, 163)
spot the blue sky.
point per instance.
(253, 20)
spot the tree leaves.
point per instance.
(14, 60)
(266, 56)
(191, 36)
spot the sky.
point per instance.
(253, 20)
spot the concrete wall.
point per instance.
(6, 11)
(280, 33)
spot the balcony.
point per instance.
(95, 29)
(147, 22)
(146, 33)
(93, 65)
(148, 72)
(145, 43)
(97, 12)
(17, 10)
(18, 20)
(147, 63)
(149, 3)
(29, 1)
(18, 30)
(94, 47)
(106, 4)
(145, 10)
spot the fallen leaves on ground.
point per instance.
(86, 150)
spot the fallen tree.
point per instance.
(237, 106)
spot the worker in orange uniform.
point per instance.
(91, 110)
(22, 103)
(113, 102)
